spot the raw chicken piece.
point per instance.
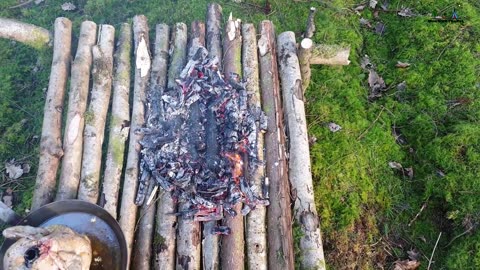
(52, 248)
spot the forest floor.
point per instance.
(403, 171)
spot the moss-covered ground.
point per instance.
(371, 215)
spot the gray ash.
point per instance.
(196, 139)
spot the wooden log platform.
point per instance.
(156, 238)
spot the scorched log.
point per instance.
(210, 242)
(119, 121)
(51, 141)
(188, 238)
(256, 231)
(279, 216)
(128, 210)
(299, 159)
(232, 249)
(96, 114)
(77, 104)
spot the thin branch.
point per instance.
(371, 125)
(21, 4)
(433, 252)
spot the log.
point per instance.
(166, 227)
(210, 242)
(51, 141)
(304, 55)
(29, 34)
(142, 252)
(77, 104)
(214, 31)
(279, 216)
(158, 81)
(188, 238)
(128, 209)
(332, 55)
(8, 216)
(256, 231)
(300, 176)
(232, 247)
(96, 115)
(310, 30)
(119, 121)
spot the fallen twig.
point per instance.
(371, 125)
(418, 214)
(433, 252)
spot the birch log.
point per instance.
(232, 248)
(299, 161)
(51, 142)
(279, 216)
(332, 55)
(166, 229)
(128, 210)
(158, 81)
(96, 114)
(214, 31)
(119, 121)
(256, 235)
(188, 238)
(29, 34)
(210, 242)
(77, 104)
(142, 253)
(304, 55)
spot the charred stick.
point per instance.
(256, 235)
(232, 248)
(279, 216)
(97, 114)
(119, 121)
(51, 142)
(128, 210)
(299, 159)
(210, 242)
(304, 55)
(77, 104)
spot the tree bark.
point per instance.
(214, 31)
(279, 216)
(332, 55)
(143, 243)
(119, 121)
(29, 34)
(256, 231)
(232, 249)
(299, 160)
(166, 226)
(77, 104)
(96, 114)
(128, 210)
(51, 142)
(210, 242)
(188, 238)
(304, 55)
(310, 30)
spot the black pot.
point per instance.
(108, 242)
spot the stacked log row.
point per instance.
(299, 160)
(51, 141)
(279, 217)
(96, 114)
(210, 242)
(77, 104)
(128, 210)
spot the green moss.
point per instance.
(89, 117)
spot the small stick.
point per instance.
(310, 30)
(433, 252)
(304, 55)
(418, 214)
(371, 125)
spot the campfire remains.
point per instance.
(206, 139)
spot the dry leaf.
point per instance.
(408, 172)
(334, 127)
(375, 81)
(414, 255)
(395, 165)
(143, 61)
(399, 138)
(26, 168)
(359, 8)
(402, 86)
(373, 3)
(38, 2)
(68, 6)
(13, 170)
(375, 14)
(8, 200)
(380, 28)
(364, 22)
(406, 265)
(406, 12)
(366, 64)
(402, 65)
(385, 5)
